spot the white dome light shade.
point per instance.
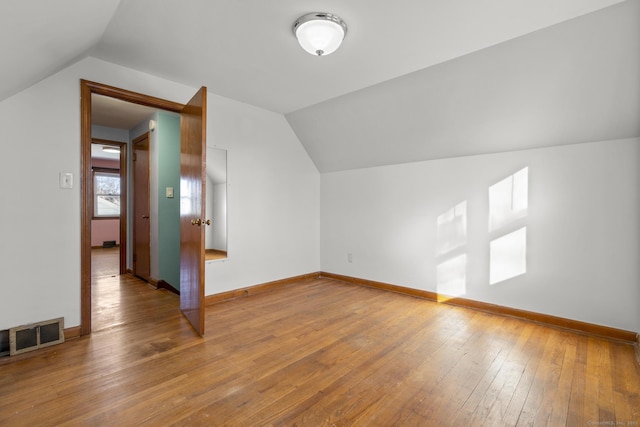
(320, 33)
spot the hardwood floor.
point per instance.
(319, 352)
(105, 262)
(211, 254)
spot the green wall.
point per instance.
(168, 128)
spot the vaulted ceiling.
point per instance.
(413, 80)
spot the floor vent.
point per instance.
(37, 335)
(109, 244)
(4, 343)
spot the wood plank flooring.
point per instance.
(317, 353)
(211, 254)
(105, 262)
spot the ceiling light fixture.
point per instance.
(320, 33)
(111, 149)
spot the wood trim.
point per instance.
(547, 319)
(134, 97)
(544, 319)
(637, 345)
(86, 208)
(87, 88)
(256, 289)
(432, 296)
(164, 285)
(106, 141)
(71, 333)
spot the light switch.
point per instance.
(169, 191)
(66, 180)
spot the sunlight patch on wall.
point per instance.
(508, 208)
(509, 199)
(451, 272)
(452, 277)
(508, 256)
(452, 228)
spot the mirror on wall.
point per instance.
(216, 204)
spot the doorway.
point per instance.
(109, 217)
(193, 140)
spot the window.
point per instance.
(106, 193)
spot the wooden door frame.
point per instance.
(88, 88)
(123, 198)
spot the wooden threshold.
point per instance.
(544, 319)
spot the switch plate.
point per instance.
(66, 180)
(169, 192)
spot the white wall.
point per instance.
(275, 185)
(111, 134)
(583, 234)
(272, 198)
(582, 227)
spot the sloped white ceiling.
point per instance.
(574, 82)
(40, 37)
(245, 50)
(413, 79)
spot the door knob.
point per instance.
(196, 221)
(145, 216)
(208, 222)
